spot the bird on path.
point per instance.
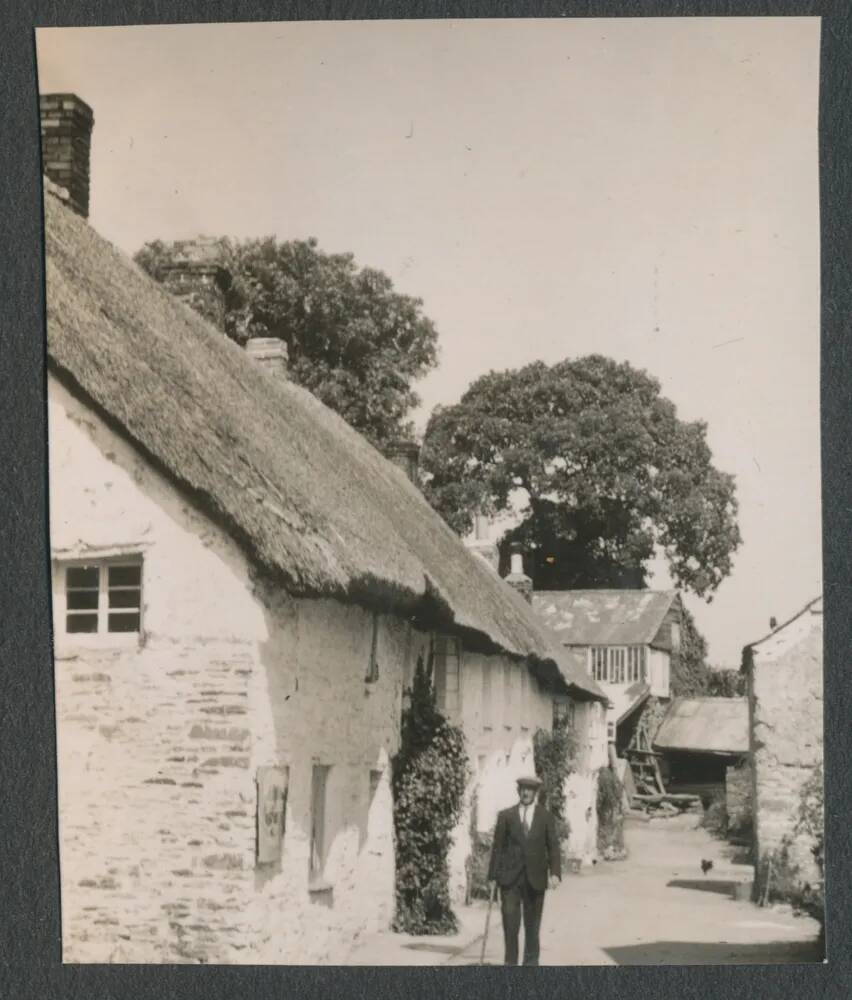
(705, 866)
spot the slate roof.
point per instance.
(705, 725)
(604, 617)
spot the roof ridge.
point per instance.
(783, 625)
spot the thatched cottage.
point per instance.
(242, 586)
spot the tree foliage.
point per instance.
(601, 467)
(353, 341)
(430, 774)
(726, 684)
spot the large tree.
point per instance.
(597, 466)
(352, 339)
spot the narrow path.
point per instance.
(658, 908)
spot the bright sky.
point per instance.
(645, 189)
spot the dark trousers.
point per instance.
(513, 900)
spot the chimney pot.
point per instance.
(196, 275)
(66, 138)
(269, 352)
(517, 578)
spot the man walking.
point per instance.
(525, 846)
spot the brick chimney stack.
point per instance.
(517, 578)
(405, 454)
(196, 275)
(66, 138)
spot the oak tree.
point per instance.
(596, 466)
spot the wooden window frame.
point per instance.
(319, 803)
(487, 696)
(626, 664)
(103, 634)
(447, 649)
(373, 666)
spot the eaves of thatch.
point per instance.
(314, 506)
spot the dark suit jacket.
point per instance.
(512, 850)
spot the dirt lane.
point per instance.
(657, 907)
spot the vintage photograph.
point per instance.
(435, 517)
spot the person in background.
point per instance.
(524, 852)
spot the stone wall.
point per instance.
(161, 734)
(786, 730)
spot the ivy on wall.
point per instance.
(429, 777)
(554, 756)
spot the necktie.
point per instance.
(526, 820)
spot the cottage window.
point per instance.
(510, 705)
(446, 670)
(373, 666)
(103, 597)
(319, 790)
(487, 697)
(618, 664)
(563, 713)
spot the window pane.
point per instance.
(125, 576)
(125, 598)
(319, 780)
(82, 576)
(81, 623)
(124, 622)
(82, 600)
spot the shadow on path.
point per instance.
(721, 953)
(725, 887)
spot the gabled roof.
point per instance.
(309, 500)
(708, 725)
(780, 639)
(604, 617)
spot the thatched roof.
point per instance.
(310, 501)
(604, 617)
(705, 725)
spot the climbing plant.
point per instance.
(610, 814)
(554, 756)
(429, 774)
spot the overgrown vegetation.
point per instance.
(786, 880)
(610, 815)
(430, 774)
(554, 756)
(726, 684)
(690, 676)
(715, 818)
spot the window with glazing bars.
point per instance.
(618, 664)
(103, 597)
(446, 664)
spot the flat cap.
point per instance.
(529, 781)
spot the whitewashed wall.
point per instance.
(159, 740)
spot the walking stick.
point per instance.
(487, 922)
